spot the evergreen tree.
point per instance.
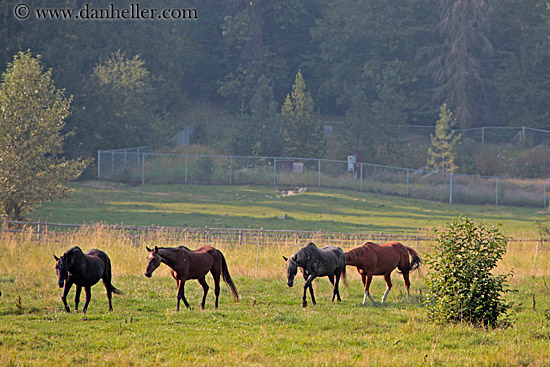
(304, 136)
(32, 116)
(444, 142)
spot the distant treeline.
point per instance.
(377, 62)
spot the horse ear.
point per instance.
(55, 257)
(286, 258)
(156, 249)
(148, 249)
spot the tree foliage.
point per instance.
(32, 117)
(461, 60)
(444, 143)
(122, 105)
(303, 134)
(462, 285)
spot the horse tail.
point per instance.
(344, 277)
(107, 273)
(227, 278)
(415, 261)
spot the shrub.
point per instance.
(461, 285)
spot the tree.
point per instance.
(32, 116)
(122, 109)
(259, 132)
(460, 62)
(304, 136)
(444, 142)
(462, 286)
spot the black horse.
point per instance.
(83, 270)
(315, 262)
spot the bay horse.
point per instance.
(83, 270)
(192, 264)
(374, 259)
(315, 262)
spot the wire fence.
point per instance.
(143, 167)
(529, 256)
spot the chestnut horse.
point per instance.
(187, 264)
(83, 270)
(374, 259)
(315, 262)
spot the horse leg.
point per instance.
(205, 287)
(109, 289)
(181, 295)
(331, 279)
(387, 278)
(336, 288)
(88, 298)
(366, 281)
(216, 276)
(306, 286)
(407, 283)
(77, 297)
(66, 290)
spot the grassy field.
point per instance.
(263, 207)
(267, 327)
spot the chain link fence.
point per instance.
(143, 167)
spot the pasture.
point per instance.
(267, 327)
(263, 207)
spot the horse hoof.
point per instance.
(304, 304)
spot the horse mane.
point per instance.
(303, 253)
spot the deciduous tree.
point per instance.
(32, 117)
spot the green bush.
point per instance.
(462, 287)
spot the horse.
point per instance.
(192, 264)
(83, 270)
(315, 262)
(374, 259)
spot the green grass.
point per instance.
(267, 327)
(262, 207)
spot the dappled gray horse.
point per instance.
(315, 262)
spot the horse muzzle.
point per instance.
(290, 283)
(148, 275)
(61, 284)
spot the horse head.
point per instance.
(291, 270)
(61, 269)
(153, 261)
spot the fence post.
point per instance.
(361, 181)
(98, 164)
(186, 169)
(319, 183)
(544, 194)
(39, 231)
(496, 192)
(143, 169)
(112, 162)
(450, 188)
(536, 254)
(136, 236)
(407, 182)
(274, 171)
(482, 137)
(230, 171)
(258, 251)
